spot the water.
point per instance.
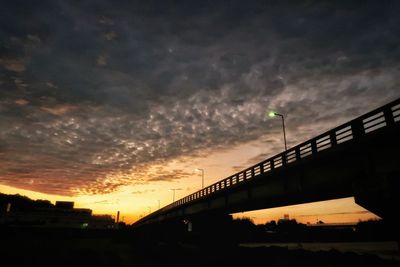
(384, 249)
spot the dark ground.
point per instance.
(75, 247)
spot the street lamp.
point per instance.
(173, 195)
(272, 114)
(202, 177)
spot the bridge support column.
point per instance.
(381, 196)
(211, 230)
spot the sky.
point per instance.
(112, 104)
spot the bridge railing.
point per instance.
(384, 116)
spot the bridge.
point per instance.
(360, 159)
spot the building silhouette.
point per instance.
(61, 215)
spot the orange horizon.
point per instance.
(302, 213)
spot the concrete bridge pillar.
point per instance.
(211, 230)
(381, 196)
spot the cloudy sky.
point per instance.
(121, 100)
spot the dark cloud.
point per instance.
(95, 93)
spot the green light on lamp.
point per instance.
(271, 114)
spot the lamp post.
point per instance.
(272, 114)
(173, 194)
(202, 177)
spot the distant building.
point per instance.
(64, 204)
(101, 221)
(284, 219)
(63, 214)
(49, 217)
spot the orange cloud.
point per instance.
(21, 102)
(58, 110)
(16, 65)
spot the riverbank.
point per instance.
(66, 247)
(383, 249)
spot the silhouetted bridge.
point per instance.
(359, 158)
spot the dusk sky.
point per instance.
(112, 103)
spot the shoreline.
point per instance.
(385, 249)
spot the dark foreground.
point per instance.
(58, 247)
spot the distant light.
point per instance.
(271, 114)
